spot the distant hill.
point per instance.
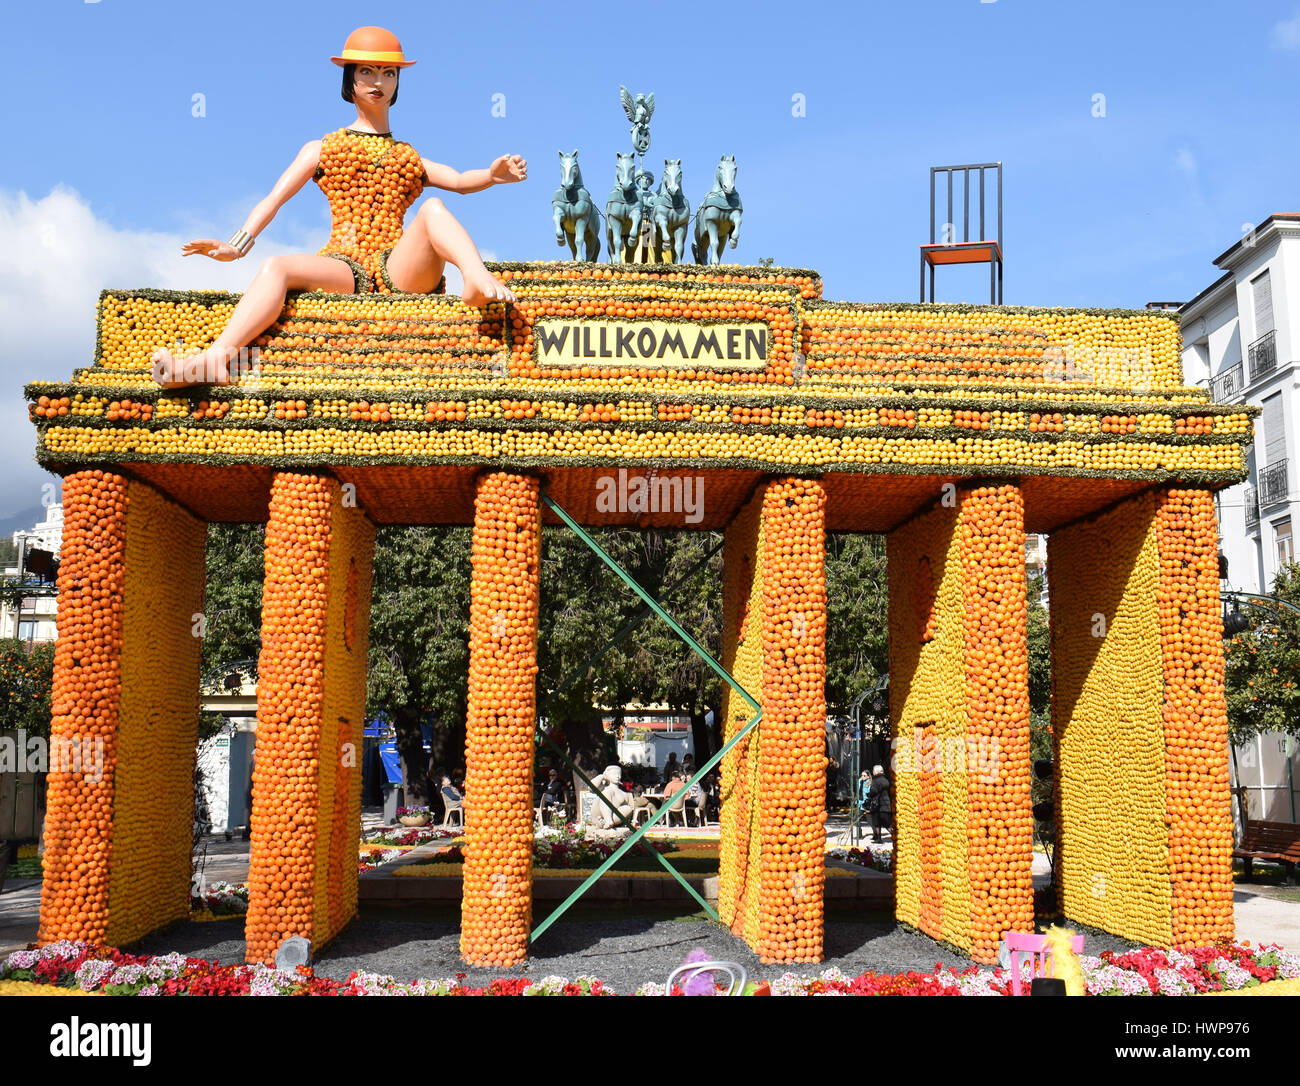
(22, 520)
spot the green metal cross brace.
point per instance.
(698, 649)
(624, 632)
(663, 860)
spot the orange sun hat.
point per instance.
(373, 45)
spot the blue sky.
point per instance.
(1197, 137)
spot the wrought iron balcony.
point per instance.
(1252, 510)
(1262, 355)
(1228, 386)
(1273, 483)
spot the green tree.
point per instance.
(583, 604)
(419, 651)
(1263, 666)
(232, 602)
(1040, 652)
(857, 620)
(26, 679)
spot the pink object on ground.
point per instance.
(1040, 957)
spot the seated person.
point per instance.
(451, 796)
(695, 798)
(674, 785)
(639, 800)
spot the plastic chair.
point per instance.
(677, 807)
(457, 809)
(1040, 957)
(639, 815)
(736, 975)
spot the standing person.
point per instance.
(864, 792)
(880, 804)
(370, 180)
(670, 767)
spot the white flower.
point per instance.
(90, 976)
(789, 984)
(1171, 982)
(1231, 975)
(1288, 967)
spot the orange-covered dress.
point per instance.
(370, 181)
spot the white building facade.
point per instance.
(1241, 338)
(34, 620)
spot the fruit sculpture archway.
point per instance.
(952, 429)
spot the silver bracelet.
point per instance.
(242, 242)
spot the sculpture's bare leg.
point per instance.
(257, 309)
(432, 241)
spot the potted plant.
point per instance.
(413, 816)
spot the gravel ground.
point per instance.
(624, 949)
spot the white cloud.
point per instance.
(59, 256)
(1286, 34)
(1186, 162)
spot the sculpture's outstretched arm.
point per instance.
(503, 170)
(293, 179)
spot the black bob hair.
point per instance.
(350, 78)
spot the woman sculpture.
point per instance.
(370, 180)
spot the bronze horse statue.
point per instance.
(672, 213)
(718, 219)
(623, 212)
(576, 219)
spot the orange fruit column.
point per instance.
(506, 558)
(792, 750)
(772, 851)
(742, 656)
(125, 712)
(1112, 845)
(999, 825)
(1195, 713)
(310, 709)
(959, 702)
(1144, 824)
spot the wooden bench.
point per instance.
(1276, 842)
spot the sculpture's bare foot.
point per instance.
(481, 288)
(200, 369)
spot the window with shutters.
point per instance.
(1273, 477)
(1261, 355)
(1282, 536)
(1274, 429)
(1261, 289)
